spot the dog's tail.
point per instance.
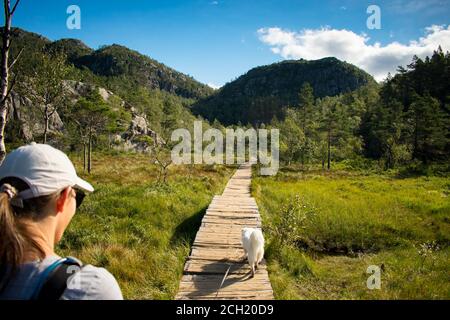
(256, 240)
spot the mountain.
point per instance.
(29, 41)
(119, 61)
(260, 94)
(114, 66)
(149, 91)
(73, 48)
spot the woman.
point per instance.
(39, 194)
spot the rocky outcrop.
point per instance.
(139, 137)
(25, 117)
(28, 118)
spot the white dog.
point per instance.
(253, 243)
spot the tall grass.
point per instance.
(350, 220)
(137, 228)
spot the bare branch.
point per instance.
(15, 59)
(15, 7)
(34, 97)
(54, 109)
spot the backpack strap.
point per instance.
(55, 277)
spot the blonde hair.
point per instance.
(15, 216)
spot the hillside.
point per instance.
(115, 67)
(73, 48)
(261, 93)
(130, 65)
(150, 92)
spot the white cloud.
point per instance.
(354, 48)
(214, 86)
(214, 3)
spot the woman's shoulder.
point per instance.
(92, 283)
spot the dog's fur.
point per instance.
(253, 244)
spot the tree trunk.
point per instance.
(306, 136)
(46, 120)
(89, 153)
(84, 156)
(3, 115)
(389, 160)
(4, 78)
(329, 150)
(416, 139)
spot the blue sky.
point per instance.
(215, 41)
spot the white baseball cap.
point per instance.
(44, 168)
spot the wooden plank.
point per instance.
(197, 278)
(255, 224)
(232, 209)
(221, 232)
(226, 296)
(242, 222)
(228, 285)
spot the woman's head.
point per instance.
(39, 189)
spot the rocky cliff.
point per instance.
(22, 115)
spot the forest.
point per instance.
(402, 121)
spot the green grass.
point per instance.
(345, 221)
(342, 222)
(139, 230)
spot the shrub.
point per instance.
(293, 218)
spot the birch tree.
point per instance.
(5, 85)
(46, 87)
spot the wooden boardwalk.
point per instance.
(215, 268)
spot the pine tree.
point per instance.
(389, 129)
(430, 128)
(92, 117)
(291, 136)
(307, 119)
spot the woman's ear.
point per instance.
(61, 201)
